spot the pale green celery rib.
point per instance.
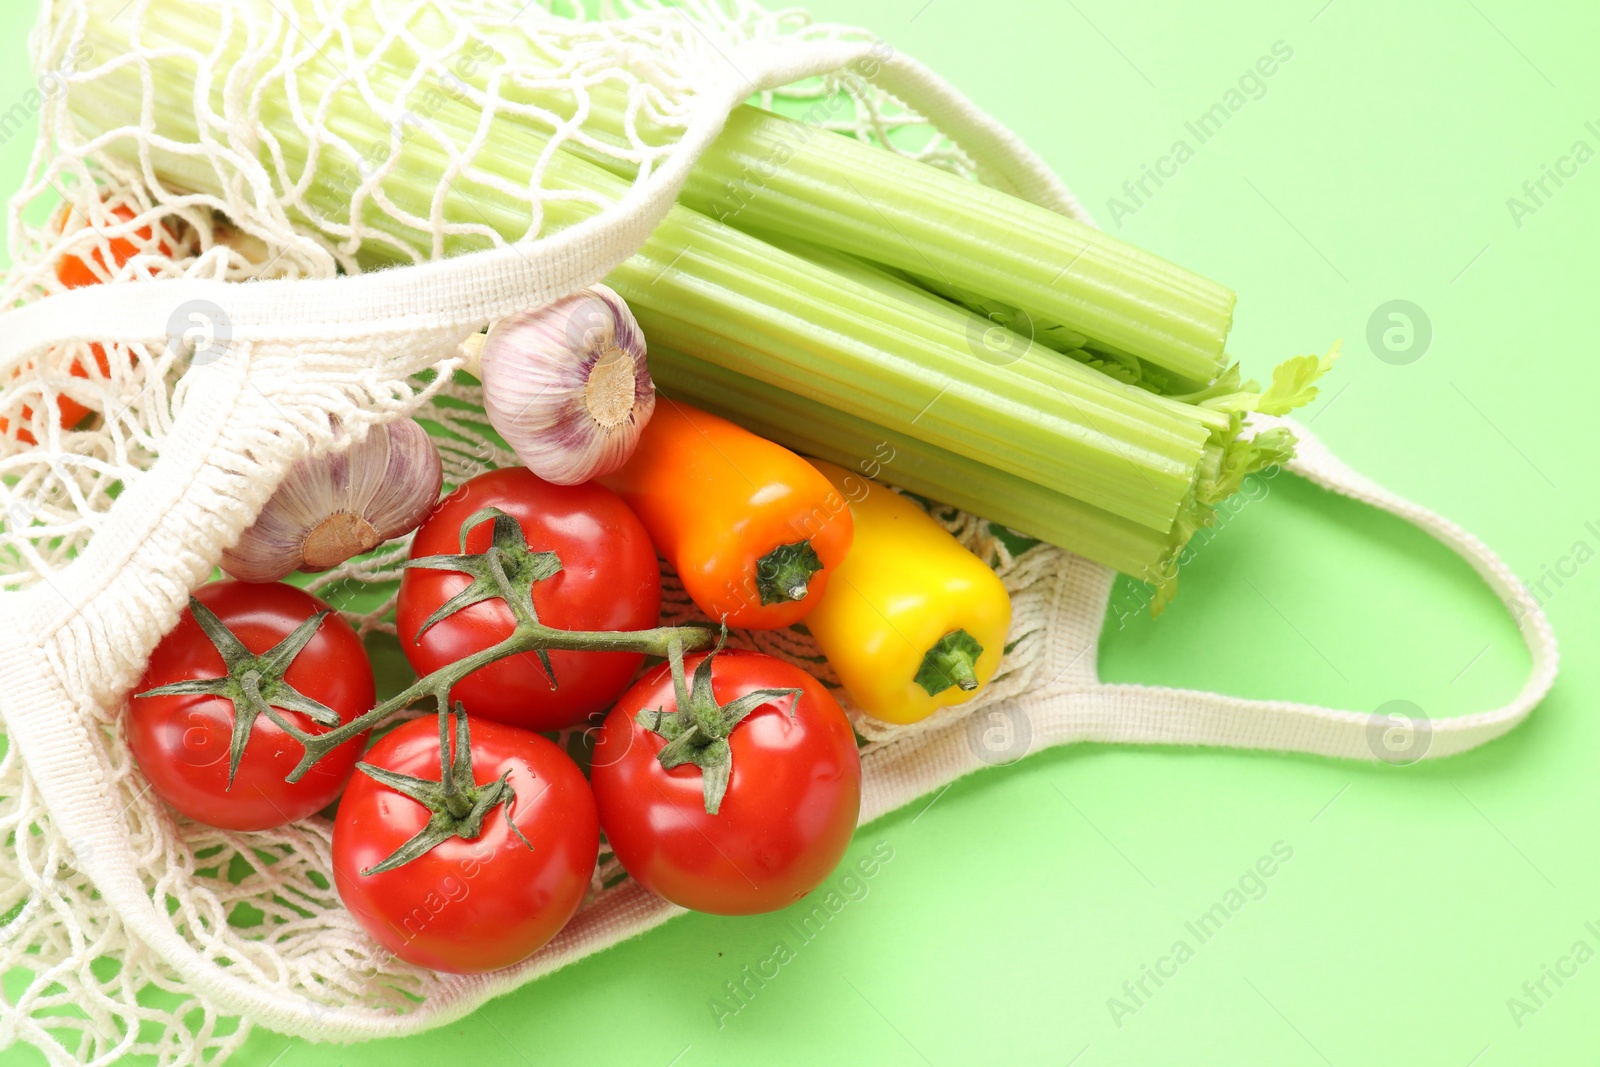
(811, 330)
(923, 303)
(815, 429)
(791, 323)
(910, 215)
(985, 421)
(770, 173)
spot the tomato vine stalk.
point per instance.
(507, 570)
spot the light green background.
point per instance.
(1376, 166)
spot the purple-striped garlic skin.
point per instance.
(567, 385)
(341, 504)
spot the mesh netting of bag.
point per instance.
(253, 140)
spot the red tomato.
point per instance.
(609, 580)
(791, 805)
(181, 743)
(478, 905)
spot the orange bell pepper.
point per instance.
(753, 529)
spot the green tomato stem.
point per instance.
(527, 637)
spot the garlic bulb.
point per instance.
(567, 385)
(341, 504)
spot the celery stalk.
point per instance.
(867, 346)
(893, 287)
(815, 429)
(767, 173)
(717, 291)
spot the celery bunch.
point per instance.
(854, 301)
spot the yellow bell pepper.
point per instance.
(911, 621)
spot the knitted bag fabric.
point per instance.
(208, 391)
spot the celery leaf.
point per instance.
(1293, 383)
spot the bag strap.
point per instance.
(40, 699)
(1143, 714)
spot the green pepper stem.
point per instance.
(785, 573)
(951, 661)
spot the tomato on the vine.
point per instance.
(183, 741)
(466, 903)
(792, 788)
(609, 580)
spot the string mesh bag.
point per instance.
(224, 196)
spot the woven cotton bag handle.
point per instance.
(1078, 707)
(1135, 713)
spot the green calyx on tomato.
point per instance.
(457, 806)
(181, 740)
(697, 732)
(468, 905)
(255, 684)
(507, 570)
(610, 580)
(792, 802)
